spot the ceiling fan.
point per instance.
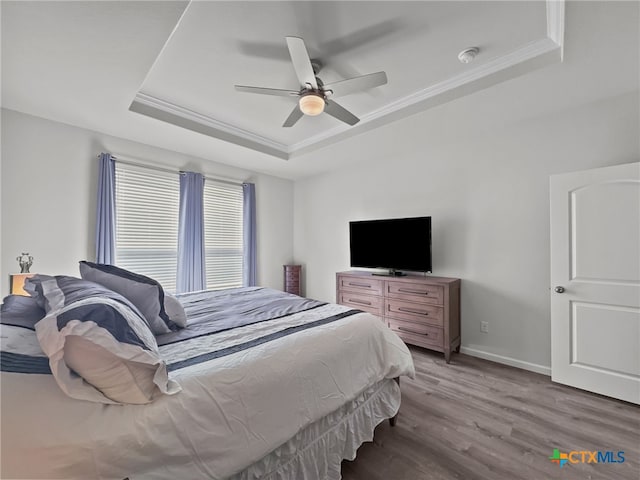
(314, 95)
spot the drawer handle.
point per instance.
(415, 292)
(366, 285)
(410, 310)
(408, 330)
(359, 302)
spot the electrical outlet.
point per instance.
(484, 327)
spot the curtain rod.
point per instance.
(128, 161)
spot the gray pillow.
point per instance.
(144, 292)
(175, 310)
(21, 310)
(20, 351)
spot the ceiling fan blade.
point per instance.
(357, 84)
(336, 110)
(301, 61)
(293, 117)
(267, 91)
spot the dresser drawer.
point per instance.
(364, 285)
(361, 302)
(413, 312)
(418, 292)
(422, 310)
(416, 333)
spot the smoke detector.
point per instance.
(467, 55)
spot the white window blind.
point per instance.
(147, 205)
(223, 234)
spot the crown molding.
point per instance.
(555, 23)
(527, 53)
(531, 56)
(184, 117)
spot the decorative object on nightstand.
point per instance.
(292, 279)
(25, 261)
(423, 311)
(16, 283)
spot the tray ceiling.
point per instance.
(218, 44)
(92, 64)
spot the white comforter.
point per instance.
(231, 412)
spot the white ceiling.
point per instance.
(217, 45)
(84, 63)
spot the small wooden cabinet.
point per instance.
(292, 279)
(16, 283)
(423, 311)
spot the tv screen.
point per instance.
(395, 244)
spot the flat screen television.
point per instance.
(395, 244)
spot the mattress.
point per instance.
(251, 392)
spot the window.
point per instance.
(147, 211)
(147, 206)
(222, 234)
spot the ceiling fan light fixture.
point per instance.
(311, 104)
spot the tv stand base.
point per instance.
(391, 273)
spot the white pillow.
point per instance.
(99, 346)
(119, 380)
(175, 310)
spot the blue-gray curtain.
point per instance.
(106, 210)
(191, 266)
(249, 248)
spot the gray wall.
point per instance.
(480, 167)
(49, 177)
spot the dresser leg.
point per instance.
(447, 355)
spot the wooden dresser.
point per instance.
(423, 311)
(292, 279)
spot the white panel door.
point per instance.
(595, 280)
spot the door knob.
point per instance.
(559, 289)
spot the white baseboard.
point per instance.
(512, 362)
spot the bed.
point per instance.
(273, 386)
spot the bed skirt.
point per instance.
(316, 452)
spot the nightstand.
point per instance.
(292, 279)
(16, 283)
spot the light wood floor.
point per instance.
(474, 419)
